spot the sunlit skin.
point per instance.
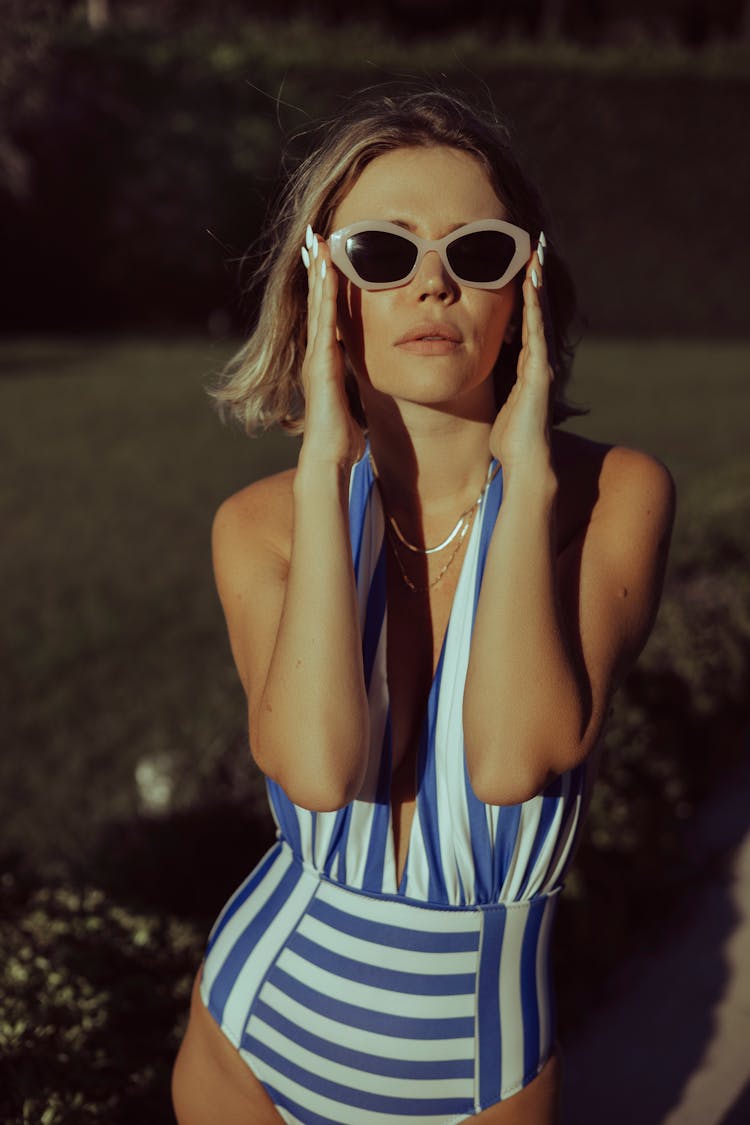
(580, 523)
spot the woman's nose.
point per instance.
(433, 280)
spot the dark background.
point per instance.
(140, 146)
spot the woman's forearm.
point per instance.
(525, 703)
(312, 727)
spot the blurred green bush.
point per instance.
(93, 995)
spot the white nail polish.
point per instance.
(309, 237)
(315, 246)
(323, 270)
(540, 253)
(534, 278)
(542, 239)
(305, 258)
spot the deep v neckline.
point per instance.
(427, 719)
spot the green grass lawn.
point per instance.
(119, 697)
(118, 652)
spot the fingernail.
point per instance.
(540, 253)
(315, 246)
(309, 237)
(323, 270)
(542, 239)
(305, 258)
(534, 278)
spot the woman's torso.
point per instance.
(326, 944)
(416, 828)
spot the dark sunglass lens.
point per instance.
(483, 256)
(380, 257)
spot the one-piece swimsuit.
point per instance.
(358, 999)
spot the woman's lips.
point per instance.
(431, 339)
(430, 345)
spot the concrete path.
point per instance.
(672, 1045)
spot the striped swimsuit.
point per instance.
(360, 1002)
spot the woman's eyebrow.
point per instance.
(403, 223)
(412, 227)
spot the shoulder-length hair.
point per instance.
(261, 386)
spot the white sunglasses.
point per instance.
(378, 255)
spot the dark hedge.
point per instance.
(139, 163)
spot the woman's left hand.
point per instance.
(520, 435)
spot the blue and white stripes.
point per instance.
(461, 851)
(356, 1008)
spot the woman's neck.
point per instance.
(431, 464)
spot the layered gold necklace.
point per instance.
(457, 535)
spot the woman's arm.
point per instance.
(553, 636)
(292, 612)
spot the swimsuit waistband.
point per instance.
(411, 911)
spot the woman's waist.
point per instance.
(406, 910)
(297, 916)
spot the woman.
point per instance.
(427, 718)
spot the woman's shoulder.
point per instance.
(580, 458)
(257, 519)
(613, 487)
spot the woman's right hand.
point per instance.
(331, 433)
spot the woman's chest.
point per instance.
(417, 622)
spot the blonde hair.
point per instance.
(261, 385)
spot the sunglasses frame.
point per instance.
(340, 258)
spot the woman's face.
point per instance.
(430, 191)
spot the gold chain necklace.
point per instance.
(412, 586)
(461, 525)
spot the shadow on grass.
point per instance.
(662, 1016)
(739, 1114)
(187, 863)
(634, 1058)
